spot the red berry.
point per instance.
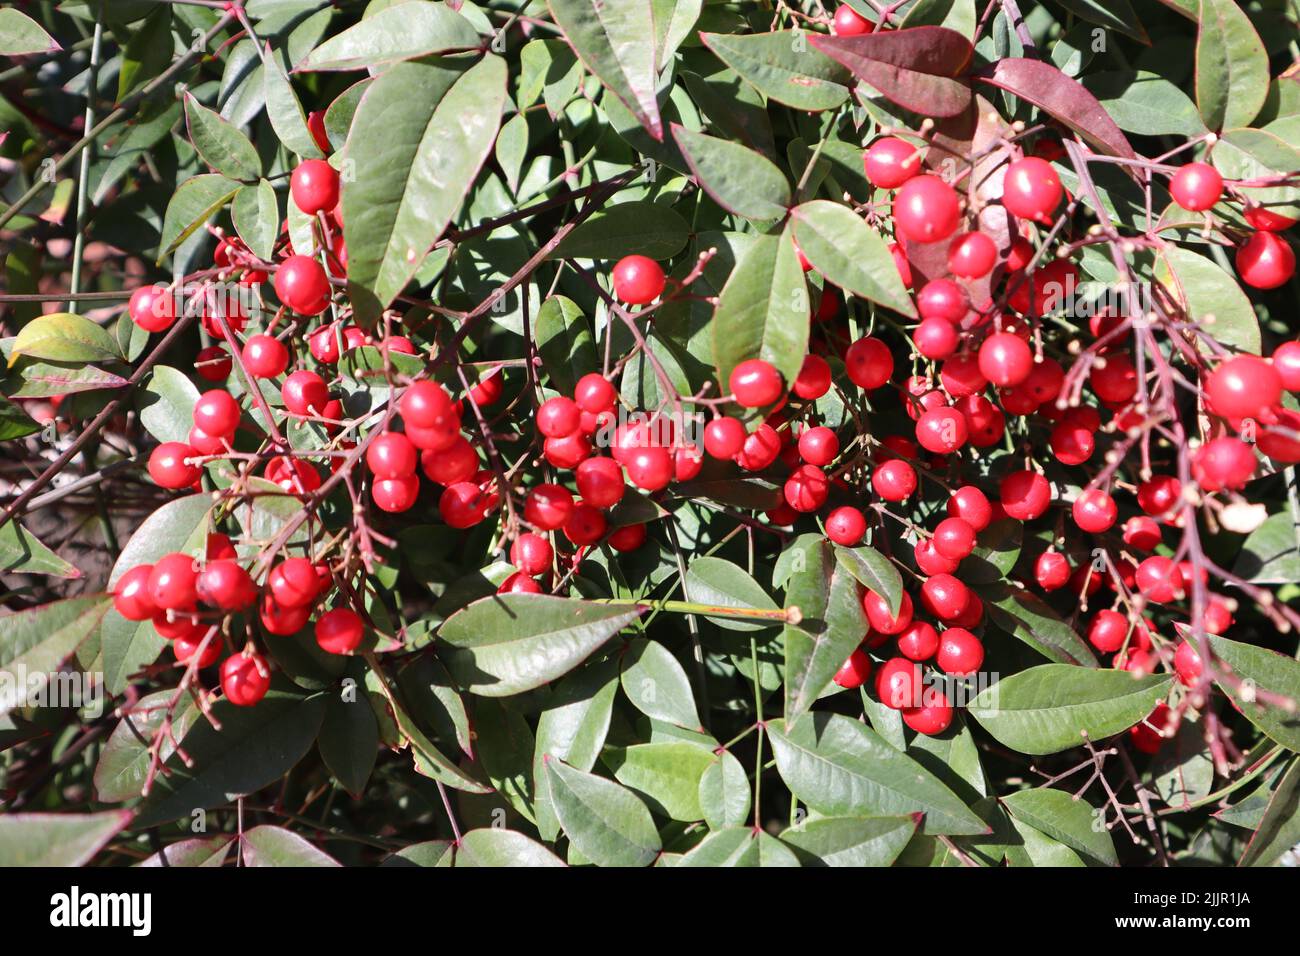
(488, 390)
(985, 423)
(217, 413)
(918, 641)
(293, 583)
(889, 162)
(961, 376)
(894, 480)
(186, 646)
(265, 356)
(1114, 379)
(1159, 579)
(806, 489)
(649, 468)
(954, 538)
(942, 430)
(1108, 631)
(1025, 495)
(638, 280)
(531, 553)
(1071, 444)
(293, 475)
(173, 583)
(168, 468)
(304, 393)
(152, 307)
(849, 23)
(1141, 533)
(1196, 186)
(1158, 495)
(214, 363)
(395, 494)
(761, 448)
(1094, 511)
(724, 438)
(1286, 360)
(1223, 463)
(1264, 261)
(519, 583)
(931, 718)
(391, 455)
(814, 379)
(972, 255)
(314, 186)
(427, 405)
(869, 363)
(819, 446)
(558, 417)
(455, 463)
(594, 393)
(224, 584)
(600, 482)
(1052, 570)
(930, 561)
(960, 652)
(936, 339)
(628, 538)
(1243, 387)
(302, 285)
(1045, 380)
(846, 525)
(854, 671)
(131, 595)
(900, 263)
(688, 462)
(279, 620)
(972, 506)
(586, 525)
(463, 505)
(245, 678)
(1005, 359)
(899, 683)
(755, 383)
(926, 209)
(942, 299)
(1267, 220)
(1031, 189)
(879, 616)
(944, 596)
(1187, 664)
(339, 631)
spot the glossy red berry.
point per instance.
(600, 482)
(216, 412)
(942, 430)
(168, 468)
(293, 583)
(889, 162)
(185, 646)
(279, 620)
(586, 525)
(265, 356)
(926, 209)
(918, 641)
(1142, 533)
(960, 652)
(806, 489)
(455, 463)
(594, 393)
(304, 393)
(961, 376)
(339, 631)
(954, 538)
(972, 506)
(302, 285)
(1187, 664)
(558, 417)
(853, 673)
(395, 495)
(226, 585)
(819, 445)
(638, 280)
(1265, 261)
(879, 616)
(1223, 463)
(152, 308)
(1025, 495)
(1108, 631)
(931, 718)
(314, 186)
(131, 596)
(1245, 386)
(519, 583)
(942, 299)
(899, 683)
(391, 455)
(293, 475)
(531, 553)
(930, 561)
(1196, 186)
(173, 582)
(427, 405)
(548, 507)
(1052, 570)
(846, 525)
(869, 363)
(1267, 220)
(649, 468)
(814, 379)
(972, 255)
(761, 448)
(849, 23)
(214, 363)
(628, 538)
(943, 596)
(1159, 494)
(894, 480)
(1005, 359)
(463, 504)
(1159, 579)
(245, 678)
(206, 444)
(724, 438)
(756, 384)
(1094, 511)
(936, 339)
(1031, 189)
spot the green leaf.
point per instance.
(740, 180)
(740, 847)
(852, 841)
(256, 216)
(784, 66)
(180, 525)
(57, 839)
(833, 624)
(14, 422)
(198, 852)
(504, 746)
(657, 685)
(1145, 103)
(192, 206)
(349, 741)
(724, 792)
(996, 552)
(285, 112)
(627, 228)
(147, 52)
(256, 746)
(840, 767)
(564, 342)
(497, 846)
(613, 38)
(275, 846)
(220, 144)
(1231, 66)
(1065, 819)
(20, 34)
(1269, 554)
(512, 149)
(1050, 708)
(763, 311)
(1262, 669)
(1206, 290)
(64, 337)
(1183, 770)
(124, 762)
(36, 642)
(874, 571)
(607, 823)
(22, 553)
(430, 761)
(434, 853)
(507, 644)
(1111, 14)
(666, 775)
(1279, 830)
(403, 31)
(718, 582)
(167, 405)
(45, 379)
(850, 254)
(1248, 154)
(1027, 617)
(420, 134)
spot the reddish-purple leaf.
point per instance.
(1053, 92)
(919, 68)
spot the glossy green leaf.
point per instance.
(718, 582)
(564, 342)
(739, 179)
(1256, 154)
(641, 228)
(1206, 290)
(57, 839)
(740, 847)
(606, 822)
(349, 740)
(167, 405)
(1260, 669)
(852, 841)
(210, 851)
(64, 337)
(724, 792)
(22, 553)
(275, 846)
(497, 847)
(1145, 103)
(125, 759)
(666, 775)
(1279, 829)
(1029, 618)
(1231, 66)
(874, 571)
(255, 213)
(1269, 554)
(1065, 819)
(20, 34)
(850, 254)
(1112, 14)
(402, 31)
(36, 642)
(656, 683)
(505, 747)
(193, 205)
(285, 112)
(783, 66)
(14, 422)
(220, 144)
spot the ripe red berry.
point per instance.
(899, 683)
(985, 423)
(302, 285)
(586, 525)
(1031, 189)
(846, 525)
(304, 393)
(558, 417)
(1286, 360)
(1025, 495)
(339, 631)
(294, 475)
(627, 538)
(943, 596)
(1114, 379)
(954, 538)
(900, 263)
(131, 595)
(961, 376)
(879, 616)
(1187, 664)
(1260, 218)
(395, 494)
(168, 468)
(638, 280)
(206, 444)
(972, 255)
(960, 652)
(173, 582)
(1108, 631)
(761, 448)
(819, 445)
(293, 583)
(519, 583)
(217, 413)
(1005, 359)
(942, 430)
(1141, 533)
(936, 339)
(1159, 494)
(531, 553)
(972, 506)
(1245, 386)
(942, 299)
(755, 383)
(1052, 570)
(869, 363)
(930, 561)
(265, 356)
(1264, 261)
(918, 641)
(894, 480)
(724, 438)
(427, 405)
(548, 507)
(889, 162)
(1094, 511)
(186, 646)
(853, 673)
(849, 23)
(214, 363)
(594, 393)
(926, 209)
(1223, 463)
(463, 505)
(279, 620)
(806, 489)
(455, 463)
(1159, 579)
(245, 678)
(391, 455)
(314, 186)
(814, 379)
(649, 468)
(1196, 186)
(152, 308)
(600, 482)
(931, 718)
(226, 585)
(488, 390)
